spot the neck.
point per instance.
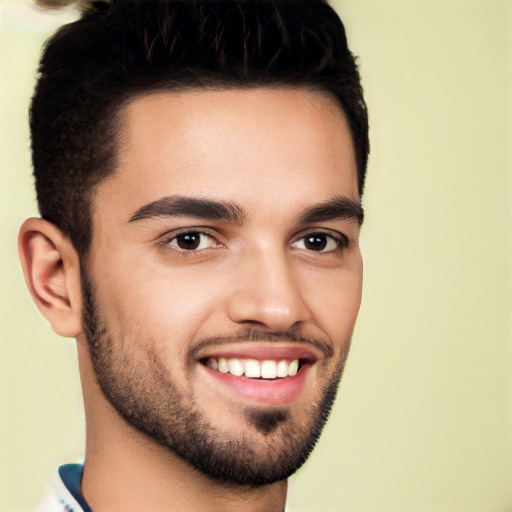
(126, 470)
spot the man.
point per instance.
(199, 168)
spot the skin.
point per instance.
(275, 153)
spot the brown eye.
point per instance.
(192, 241)
(315, 242)
(321, 242)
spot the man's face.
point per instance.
(224, 277)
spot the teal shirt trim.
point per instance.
(71, 475)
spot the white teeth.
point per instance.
(254, 369)
(268, 369)
(236, 367)
(294, 367)
(282, 369)
(223, 365)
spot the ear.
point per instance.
(52, 272)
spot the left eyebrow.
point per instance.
(337, 208)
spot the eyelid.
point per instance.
(168, 235)
(339, 235)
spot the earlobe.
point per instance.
(52, 273)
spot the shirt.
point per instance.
(64, 494)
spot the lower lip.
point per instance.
(276, 392)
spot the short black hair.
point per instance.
(91, 68)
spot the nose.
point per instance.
(267, 293)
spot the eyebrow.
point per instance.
(336, 208)
(181, 206)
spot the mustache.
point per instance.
(250, 334)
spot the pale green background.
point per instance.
(423, 422)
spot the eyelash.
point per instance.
(165, 244)
(342, 242)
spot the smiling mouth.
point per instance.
(275, 375)
(268, 369)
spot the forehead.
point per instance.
(241, 143)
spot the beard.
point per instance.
(144, 393)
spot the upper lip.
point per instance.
(261, 351)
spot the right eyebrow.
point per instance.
(185, 206)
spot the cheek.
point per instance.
(161, 303)
(335, 300)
